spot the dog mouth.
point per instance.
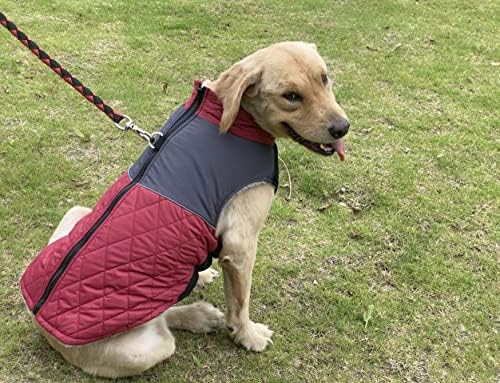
(323, 149)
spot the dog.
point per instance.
(286, 91)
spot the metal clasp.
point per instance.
(130, 125)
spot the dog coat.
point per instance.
(140, 249)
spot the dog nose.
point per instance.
(338, 128)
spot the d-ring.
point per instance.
(152, 139)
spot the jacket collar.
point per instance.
(244, 125)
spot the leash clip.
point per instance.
(130, 125)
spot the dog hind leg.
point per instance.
(127, 354)
(199, 317)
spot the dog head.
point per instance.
(286, 89)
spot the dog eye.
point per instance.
(293, 97)
(324, 78)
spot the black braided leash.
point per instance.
(114, 115)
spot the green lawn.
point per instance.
(409, 223)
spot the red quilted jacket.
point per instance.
(140, 249)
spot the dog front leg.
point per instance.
(239, 226)
(237, 259)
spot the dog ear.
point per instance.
(241, 78)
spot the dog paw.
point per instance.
(207, 318)
(253, 336)
(205, 277)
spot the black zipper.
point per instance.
(183, 120)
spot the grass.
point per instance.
(409, 224)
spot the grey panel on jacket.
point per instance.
(201, 169)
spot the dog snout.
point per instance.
(339, 127)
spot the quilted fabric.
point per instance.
(37, 275)
(122, 277)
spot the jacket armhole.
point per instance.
(205, 265)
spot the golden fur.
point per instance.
(257, 83)
(261, 79)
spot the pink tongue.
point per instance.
(340, 149)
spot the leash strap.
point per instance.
(122, 121)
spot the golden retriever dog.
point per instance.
(286, 89)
